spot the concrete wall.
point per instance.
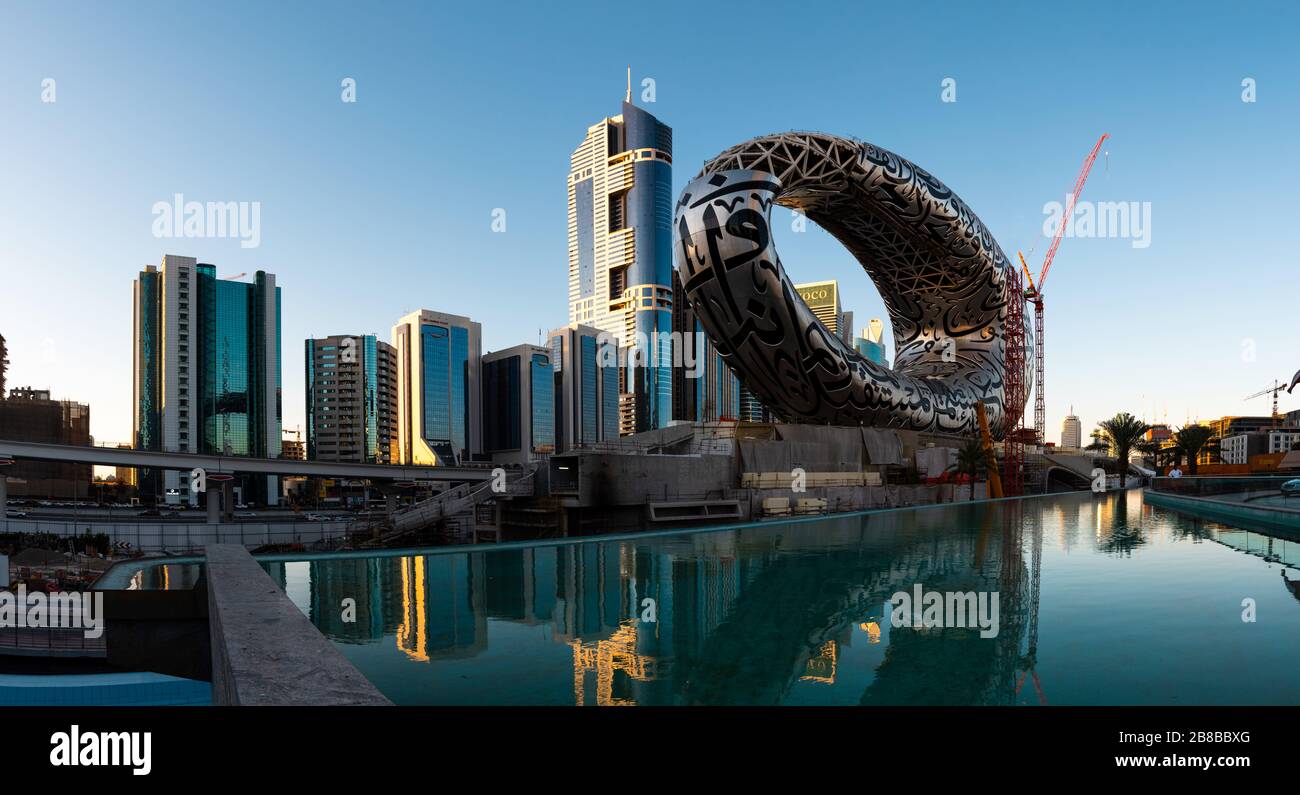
(264, 650)
(609, 479)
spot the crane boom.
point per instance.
(1069, 209)
(1025, 267)
(1277, 387)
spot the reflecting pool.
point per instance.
(1102, 600)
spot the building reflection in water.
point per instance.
(721, 617)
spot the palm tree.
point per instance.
(972, 460)
(1123, 431)
(1192, 440)
(1151, 449)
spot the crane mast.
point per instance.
(1034, 293)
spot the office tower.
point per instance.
(518, 404)
(871, 344)
(823, 298)
(4, 365)
(585, 366)
(620, 253)
(704, 388)
(437, 388)
(1071, 431)
(206, 380)
(752, 409)
(30, 415)
(351, 398)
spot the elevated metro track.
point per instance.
(114, 456)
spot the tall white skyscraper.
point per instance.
(620, 252)
(1071, 431)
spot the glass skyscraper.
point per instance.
(438, 400)
(518, 404)
(585, 372)
(206, 379)
(704, 388)
(620, 254)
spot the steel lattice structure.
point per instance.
(943, 278)
(1013, 445)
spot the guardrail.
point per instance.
(1241, 488)
(185, 536)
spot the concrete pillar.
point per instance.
(213, 497)
(390, 503)
(4, 488)
(228, 501)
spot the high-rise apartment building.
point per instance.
(620, 253)
(1071, 431)
(518, 404)
(30, 415)
(752, 409)
(704, 388)
(351, 398)
(1224, 427)
(206, 379)
(438, 401)
(585, 368)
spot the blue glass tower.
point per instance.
(620, 255)
(206, 371)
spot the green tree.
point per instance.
(1151, 449)
(1123, 432)
(972, 460)
(1192, 440)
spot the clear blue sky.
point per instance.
(372, 209)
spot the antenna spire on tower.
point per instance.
(629, 83)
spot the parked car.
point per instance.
(13, 513)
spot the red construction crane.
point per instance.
(1034, 292)
(1277, 387)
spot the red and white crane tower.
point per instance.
(1034, 292)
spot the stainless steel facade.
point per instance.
(942, 276)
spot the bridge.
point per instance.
(1079, 467)
(218, 464)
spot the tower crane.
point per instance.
(1278, 386)
(1034, 292)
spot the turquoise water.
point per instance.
(138, 689)
(1134, 605)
